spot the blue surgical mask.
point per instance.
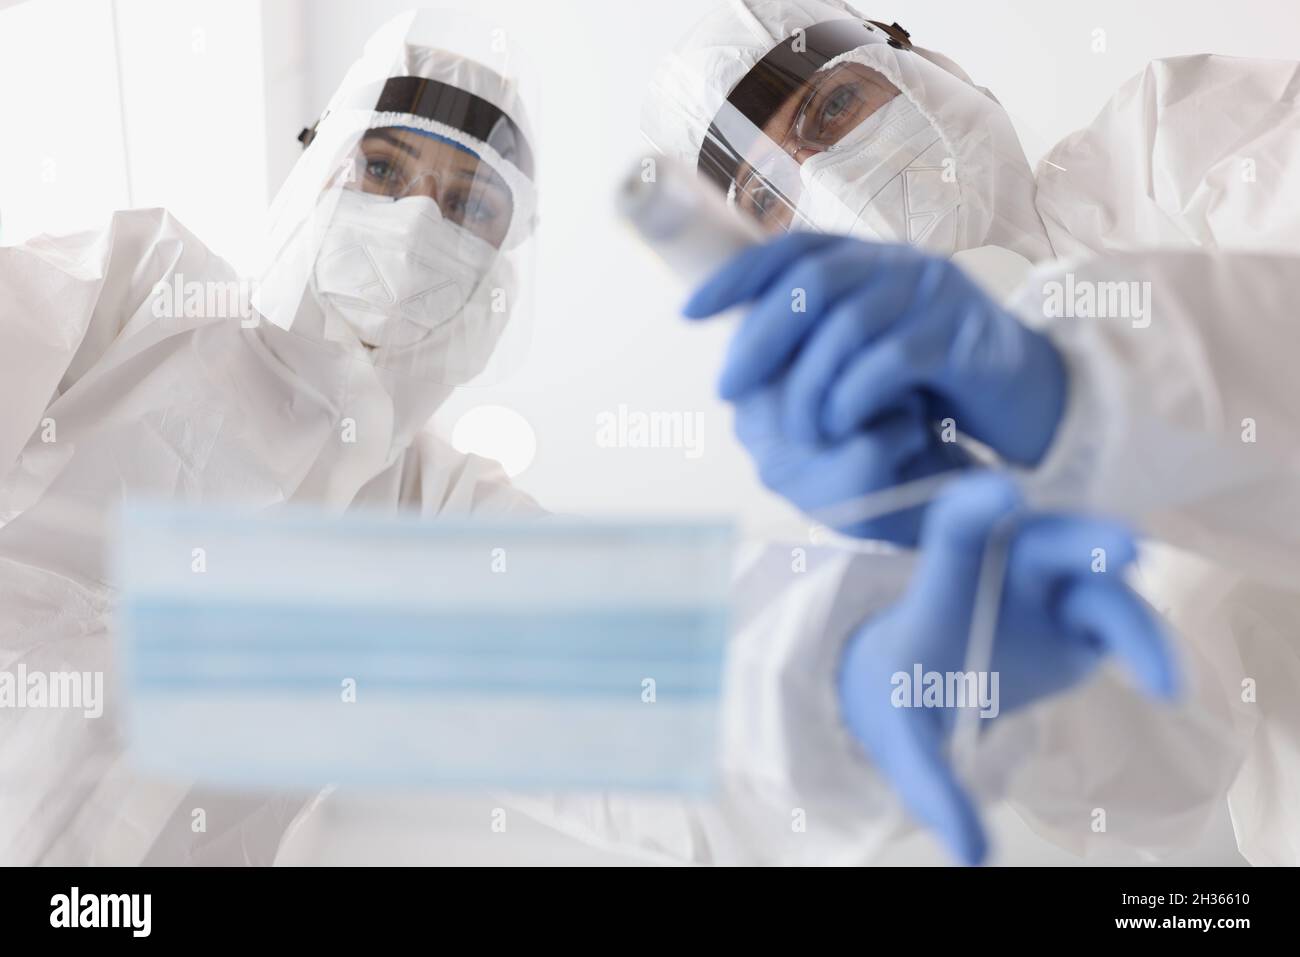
(293, 649)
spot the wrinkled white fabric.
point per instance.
(1188, 426)
(1194, 151)
(199, 410)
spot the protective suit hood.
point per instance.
(980, 148)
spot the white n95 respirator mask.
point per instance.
(395, 271)
(889, 179)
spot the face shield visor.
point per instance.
(844, 126)
(791, 106)
(820, 135)
(405, 233)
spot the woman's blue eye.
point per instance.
(379, 169)
(838, 102)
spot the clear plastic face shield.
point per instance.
(796, 103)
(404, 234)
(823, 134)
(846, 127)
(403, 162)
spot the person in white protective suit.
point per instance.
(1186, 422)
(399, 246)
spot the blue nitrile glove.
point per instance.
(899, 447)
(1059, 616)
(876, 339)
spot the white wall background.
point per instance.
(194, 105)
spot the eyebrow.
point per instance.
(410, 150)
(388, 137)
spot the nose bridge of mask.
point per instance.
(424, 183)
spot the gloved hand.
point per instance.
(867, 340)
(900, 446)
(1057, 619)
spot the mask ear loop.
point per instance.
(963, 742)
(982, 634)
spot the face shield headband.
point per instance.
(449, 105)
(785, 71)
